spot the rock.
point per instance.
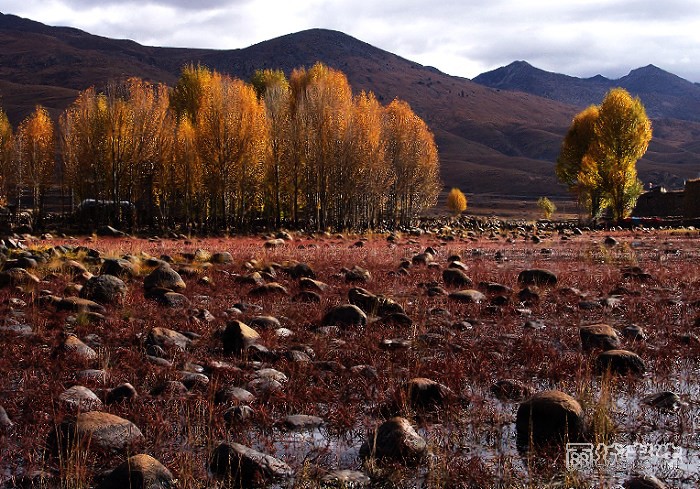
(301, 422)
(222, 258)
(610, 241)
(139, 472)
(341, 479)
(364, 299)
(239, 414)
(357, 274)
(422, 259)
(167, 339)
(345, 316)
(164, 277)
(468, 295)
(307, 296)
(80, 398)
(79, 304)
(17, 277)
(302, 270)
(307, 283)
(395, 440)
(422, 393)
(495, 288)
(536, 276)
(238, 336)
(74, 268)
(454, 277)
(264, 322)
(5, 421)
(77, 350)
(621, 362)
(99, 431)
(119, 267)
(548, 417)
(244, 468)
(510, 390)
(104, 289)
(121, 393)
(172, 300)
(273, 243)
(273, 288)
(233, 394)
(599, 336)
(665, 401)
(644, 482)
(634, 332)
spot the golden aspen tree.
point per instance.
(413, 158)
(272, 88)
(186, 183)
(6, 156)
(456, 201)
(622, 135)
(36, 155)
(187, 95)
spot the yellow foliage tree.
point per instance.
(35, 155)
(456, 201)
(6, 156)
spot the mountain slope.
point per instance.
(490, 141)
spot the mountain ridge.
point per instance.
(491, 140)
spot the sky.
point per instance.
(459, 37)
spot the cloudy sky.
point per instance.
(459, 37)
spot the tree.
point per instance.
(6, 156)
(576, 145)
(35, 155)
(622, 135)
(456, 201)
(600, 152)
(547, 207)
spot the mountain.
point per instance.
(491, 140)
(665, 95)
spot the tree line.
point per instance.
(219, 153)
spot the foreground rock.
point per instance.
(104, 289)
(99, 431)
(468, 296)
(548, 418)
(345, 316)
(395, 440)
(139, 472)
(244, 467)
(600, 336)
(164, 277)
(620, 362)
(536, 276)
(238, 336)
(422, 393)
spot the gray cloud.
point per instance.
(465, 38)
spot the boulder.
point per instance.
(139, 472)
(164, 277)
(548, 418)
(345, 315)
(395, 440)
(99, 431)
(422, 393)
(273, 288)
(222, 258)
(80, 398)
(454, 277)
(104, 289)
(537, 276)
(79, 304)
(244, 467)
(167, 339)
(238, 336)
(620, 362)
(468, 296)
(17, 277)
(357, 274)
(119, 267)
(599, 336)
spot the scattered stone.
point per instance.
(121, 393)
(599, 336)
(468, 296)
(119, 267)
(164, 277)
(5, 421)
(307, 283)
(345, 316)
(273, 288)
(395, 440)
(610, 241)
(620, 362)
(77, 350)
(139, 472)
(302, 270)
(665, 401)
(422, 259)
(172, 300)
(239, 414)
(222, 258)
(422, 393)
(17, 277)
(80, 398)
(233, 395)
(634, 332)
(548, 417)
(167, 339)
(245, 468)
(264, 322)
(104, 289)
(274, 243)
(109, 231)
(307, 296)
(343, 479)
(302, 422)
(534, 324)
(79, 304)
(455, 277)
(97, 430)
(536, 276)
(238, 336)
(357, 274)
(644, 482)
